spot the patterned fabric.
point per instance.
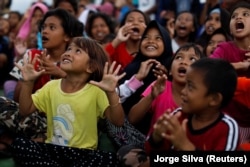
(33, 126)
(125, 135)
(33, 154)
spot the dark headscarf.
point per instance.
(134, 66)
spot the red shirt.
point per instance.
(221, 135)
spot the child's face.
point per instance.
(4, 27)
(184, 24)
(213, 23)
(99, 29)
(138, 23)
(37, 15)
(152, 45)
(53, 35)
(13, 20)
(67, 6)
(182, 60)
(75, 60)
(194, 95)
(240, 23)
(213, 43)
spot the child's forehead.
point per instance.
(241, 9)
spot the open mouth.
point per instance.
(45, 39)
(239, 26)
(135, 30)
(183, 28)
(182, 70)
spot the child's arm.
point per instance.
(143, 106)
(108, 83)
(29, 74)
(136, 81)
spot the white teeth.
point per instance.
(100, 34)
(66, 61)
(151, 48)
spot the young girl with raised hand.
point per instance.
(57, 27)
(125, 46)
(73, 107)
(237, 53)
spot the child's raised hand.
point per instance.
(20, 46)
(177, 132)
(124, 32)
(159, 86)
(160, 127)
(110, 77)
(49, 66)
(28, 71)
(159, 69)
(145, 68)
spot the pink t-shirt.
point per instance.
(161, 103)
(230, 52)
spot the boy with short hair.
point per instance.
(200, 123)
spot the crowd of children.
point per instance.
(74, 71)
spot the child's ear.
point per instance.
(216, 99)
(67, 39)
(90, 69)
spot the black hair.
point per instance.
(239, 4)
(219, 76)
(73, 3)
(71, 26)
(218, 31)
(105, 17)
(19, 15)
(185, 47)
(146, 18)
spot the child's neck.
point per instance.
(55, 54)
(181, 41)
(243, 43)
(205, 119)
(73, 83)
(132, 46)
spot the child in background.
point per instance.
(31, 17)
(216, 38)
(125, 46)
(184, 29)
(200, 123)
(73, 106)
(70, 6)
(237, 53)
(98, 26)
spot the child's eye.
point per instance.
(193, 59)
(52, 27)
(78, 51)
(245, 14)
(178, 57)
(233, 16)
(158, 38)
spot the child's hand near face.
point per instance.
(159, 86)
(145, 68)
(122, 35)
(28, 71)
(110, 78)
(49, 66)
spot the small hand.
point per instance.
(159, 86)
(20, 46)
(110, 78)
(28, 71)
(145, 68)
